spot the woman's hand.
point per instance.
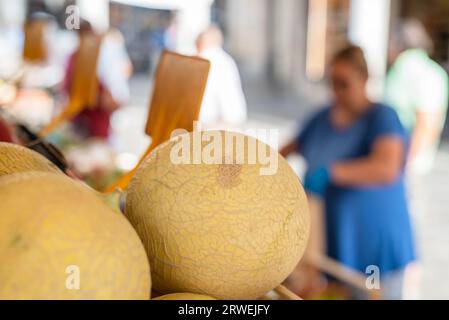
(317, 181)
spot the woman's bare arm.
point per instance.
(287, 150)
(382, 166)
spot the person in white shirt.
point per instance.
(224, 104)
(113, 71)
(114, 66)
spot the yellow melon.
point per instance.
(223, 229)
(15, 158)
(58, 240)
(184, 296)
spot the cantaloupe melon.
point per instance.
(58, 240)
(15, 158)
(222, 230)
(184, 296)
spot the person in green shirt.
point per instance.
(418, 88)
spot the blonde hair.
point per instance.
(354, 56)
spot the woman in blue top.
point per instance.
(355, 150)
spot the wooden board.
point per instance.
(34, 49)
(177, 97)
(85, 81)
(85, 84)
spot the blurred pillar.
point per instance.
(192, 19)
(396, 8)
(288, 37)
(246, 25)
(283, 35)
(317, 28)
(12, 13)
(369, 28)
(96, 12)
(12, 18)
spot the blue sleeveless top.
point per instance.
(364, 226)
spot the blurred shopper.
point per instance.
(418, 88)
(224, 102)
(114, 45)
(6, 132)
(356, 150)
(113, 72)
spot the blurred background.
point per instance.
(281, 48)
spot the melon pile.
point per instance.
(208, 231)
(221, 230)
(15, 158)
(59, 240)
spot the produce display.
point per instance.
(58, 240)
(222, 230)
(15, 158)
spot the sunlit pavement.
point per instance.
(431, 222)
(271, 110)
